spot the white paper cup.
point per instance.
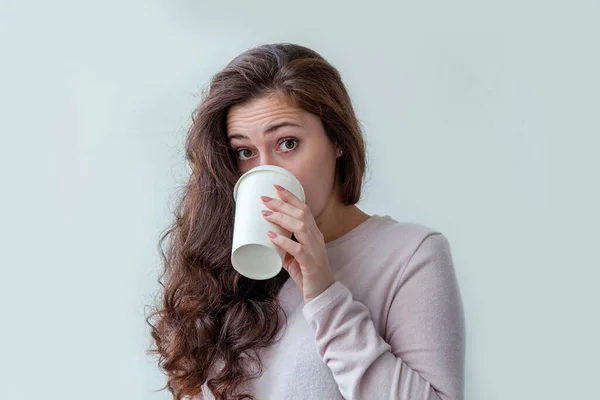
(253, 254)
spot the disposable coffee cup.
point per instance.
(253, 254)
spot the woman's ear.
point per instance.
(338, 149)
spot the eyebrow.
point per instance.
(269, 129)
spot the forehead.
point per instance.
(259, 112)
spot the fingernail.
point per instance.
(266, 212)
(272, 234)
(265, 198)
(279, 188)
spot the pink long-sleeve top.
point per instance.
(390, 327)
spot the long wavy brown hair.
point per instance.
(211, 320)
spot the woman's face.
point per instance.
(271, 131)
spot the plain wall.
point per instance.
(481, 120)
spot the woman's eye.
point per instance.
(245, 152)
(288, 148)
(286, 145)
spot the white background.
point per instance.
(482, 120)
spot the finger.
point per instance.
(285, 232)
(303, 230)
(289, 197)
(293, 268)
(285, 221)
(294, 248)
(282, 206)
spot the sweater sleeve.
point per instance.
(424, 355)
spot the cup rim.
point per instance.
(274, 168)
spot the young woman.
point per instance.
(366, 307)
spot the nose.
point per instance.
(266, 159)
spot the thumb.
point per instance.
(293, 268)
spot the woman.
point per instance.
(366, 307)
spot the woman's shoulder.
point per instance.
(406, 249)
(385, 244)
(403, 236)
(388, 254)
(399, 244)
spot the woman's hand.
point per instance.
(306, 260)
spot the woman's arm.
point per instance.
(424, 355)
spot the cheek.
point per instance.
(317, 187)
(317, 175)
